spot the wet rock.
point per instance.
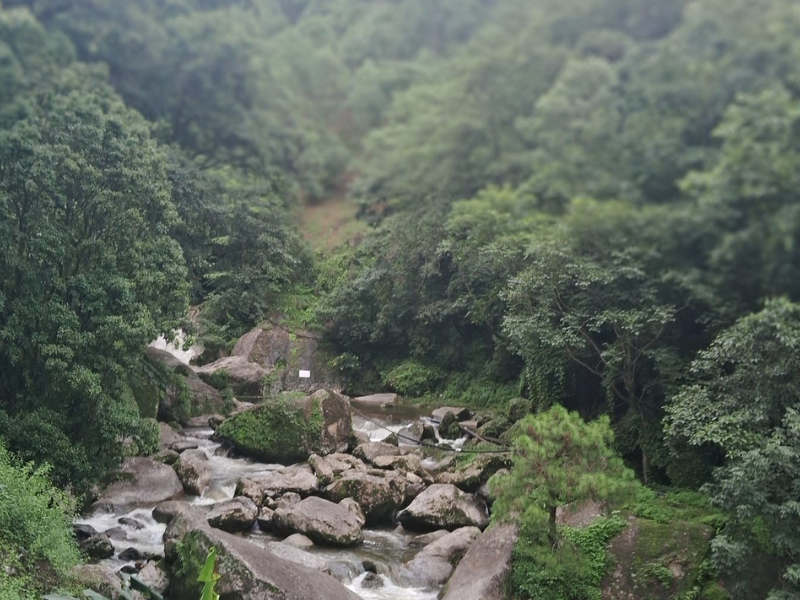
(166, 511)
(130, 523)
(271, 484)
(298, 540)
(444, 506)
(377, 400)
(288, 500)
(416, 433)
(97, 547)
(243, 376)
(370, 451)
(194, 471)
(166, 456)
(116, 533)
(461, 414)
(83, 532)
(378, 493)
(234, 515)
(99, 578)
(372, 581)
(427, 538)
(287, 431)
(132, 555)
(327, 468)
(482, 573)
(409, 463)
(148, 483)
(299, 556)
(369, 566)
(264, 519)
(434, 564)
(183, 446)
(167, 435)
(355, 509)
(449, 428)
(518, 408)
(247, 571)
(321, 520)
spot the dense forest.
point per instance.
(589, 204)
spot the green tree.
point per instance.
(745, 402)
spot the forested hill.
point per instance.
(590, 203)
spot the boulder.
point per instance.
(472, 476)
(461, 414)
(449, 428)
(518, 408)
(288, 500)
(434, 564)
(155, 577)
(372, 450)
(286, 431)
(444, 506)
(322, 521)
(482, 573)
(246, 571)
(116, 533)
(244, 377)
(416, 433)
(166, 511)
(131, 523)
(427, 538)
(166, 456)
(264, 519)
(194, 471)
(132, 554)
(167, 436)
(183, 446)
(298, 540)
(409, 463)
(327, 468)
(148, 483)
(271, 484)
(300, 557)
(98, 547)
(378, 493)
(99, 578)
(238, 514)
(372, 581)
(378, 400)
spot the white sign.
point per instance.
(305, 374)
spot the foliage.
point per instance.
(744, 402)
(411, 378)
(37, 547)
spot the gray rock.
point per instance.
(298, 540)
(130, 523)
(371, 450)
(409, 463)
(194, 471)
(183, 446)
(167, 435)
(327, 468)
(246, 571)
(461, 414)
(428, 538)
(238, 514)
(155, 577)
(379, 494)
(300, 557)
(434, 564)
(444, 506)
(271, 484)
(416, 433)
(322, 521)
(482, 573)
(245, 376)
(166, 511)
(377, 400)
(83, 532)
(449, 428)
(372, 581)
(97, 547)
(472, 476)
(132, 554)
(149, 483)
(264, 519)
(166, 456)
(99, 578)
(288, 500)
(116, 533)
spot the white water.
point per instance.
(386, 548)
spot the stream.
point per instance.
(386, 548)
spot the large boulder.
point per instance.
(371, 450)
(194, 471)
(324, 522)
(286, 431)
(377, 400)
(271, 484)
(99, 578)
(434, 564)
(166, 511)
(444, 506)
(461, 414)
(238, 514)
(482, 573)
(417, 433)
(299, 556)
(244, 377)
(378, 493)
(247, 571)
(328, 468)
(146, 482)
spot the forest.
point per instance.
(591, 204)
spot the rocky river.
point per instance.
(278, 520)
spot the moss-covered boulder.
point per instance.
(378, 493)
(287, 429)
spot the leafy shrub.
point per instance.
(412, 378)
(35, 529)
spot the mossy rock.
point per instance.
(656, 561)
(518, 408)
(289, 429)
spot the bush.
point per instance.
(413, 379)
(37, 547)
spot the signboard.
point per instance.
(305, 374)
